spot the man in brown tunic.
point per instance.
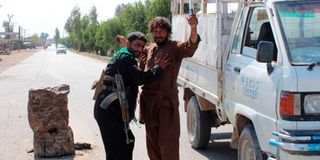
(159, 100)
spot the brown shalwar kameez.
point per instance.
(159, 101)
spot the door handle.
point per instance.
(237, 69)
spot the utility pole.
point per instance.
(9, 25)
(24, 34)
(19, 31)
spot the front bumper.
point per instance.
(297, 142)
(61, 51)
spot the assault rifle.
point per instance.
(123, 105)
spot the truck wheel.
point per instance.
(198, 126)
(248, 146)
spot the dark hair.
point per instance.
(136, 35)
(160, 22)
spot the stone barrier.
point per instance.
(49, 118)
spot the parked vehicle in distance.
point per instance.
(29, 45)
(15, 45)
(61, 49)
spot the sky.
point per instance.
(36, 16)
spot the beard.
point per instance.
(161, 41)
(136, 53)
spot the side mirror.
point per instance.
(265, 51)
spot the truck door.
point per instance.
(249, 90)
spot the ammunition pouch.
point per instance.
(97, 85)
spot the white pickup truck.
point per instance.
(257, 68)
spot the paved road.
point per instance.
(45, 69)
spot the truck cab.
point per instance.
(263, 79)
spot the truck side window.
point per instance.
(236, 38)
(258, 29)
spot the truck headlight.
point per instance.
(312, 104)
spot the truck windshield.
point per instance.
(301, 26)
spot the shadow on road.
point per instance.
(57, 158)
(219, 148)
(220, 136)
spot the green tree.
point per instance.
(85, 33)
(35, 38)
(158, 8)
(120, 8)
(89, 39)
(8, 26)
(85, 22)
(57, 36)
(90, 26)
(71, 41)
(93, 16)
(74, 26)
(44, 37)
(106, 33)
(73, 23)
(133, 17)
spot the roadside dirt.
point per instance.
(7, 61)
(92, 55)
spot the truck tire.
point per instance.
(198, 125)
(248, 146)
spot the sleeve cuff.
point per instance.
(199, 39)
